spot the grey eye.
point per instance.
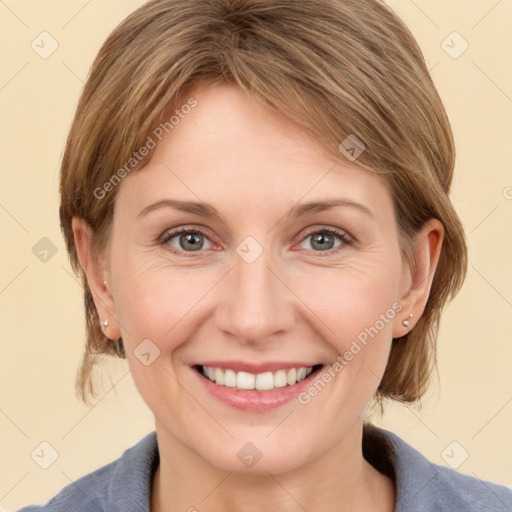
(188, 241)
(322, 240)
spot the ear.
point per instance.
(97, 275)
(416, 282)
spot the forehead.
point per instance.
(229, 150)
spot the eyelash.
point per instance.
(344, 237)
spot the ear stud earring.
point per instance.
(105, 323)
(406, 322)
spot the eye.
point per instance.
(322, 240)
(186, 240)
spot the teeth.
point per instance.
(230, 378)
(243, 380)
(210, 372)
(261, 381)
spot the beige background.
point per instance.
(41, 323)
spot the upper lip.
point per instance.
(242, 366)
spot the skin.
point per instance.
(296, 301)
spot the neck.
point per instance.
(340, 480)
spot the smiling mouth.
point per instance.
(264, 381)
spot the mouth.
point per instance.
(263, 381)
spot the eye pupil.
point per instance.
(187, 241)
(321, 238)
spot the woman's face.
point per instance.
(263, 280)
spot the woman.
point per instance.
(255, 194)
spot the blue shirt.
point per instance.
(124, 485)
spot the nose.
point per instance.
(256, 303)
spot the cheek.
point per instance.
(164, 304)
(350, 300)
(157, 305)
(152, 304)
(356, 308)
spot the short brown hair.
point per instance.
(334, 67)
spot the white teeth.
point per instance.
(210, 372)
(218, 374)
(261, 381)
(264, 381)
(280, 379)
(244, 380)
(230, 379)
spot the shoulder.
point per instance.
(452, 489)
(424, 486)
(122, 485)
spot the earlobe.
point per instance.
(427, 248)
(407, 322)
(96, 273)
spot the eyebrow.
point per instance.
(206, 210)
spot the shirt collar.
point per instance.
(411, 471)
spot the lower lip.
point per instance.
(252, 400)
